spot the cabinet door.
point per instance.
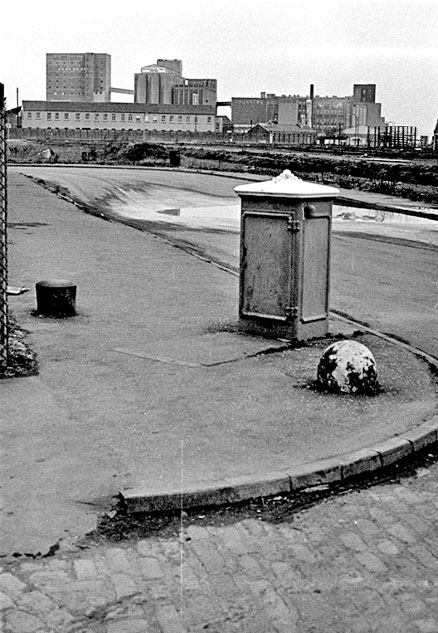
(316, 262)
(266, 265)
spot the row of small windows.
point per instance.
(72, 91)
(328, 106)
(171, 118)
(294, 138)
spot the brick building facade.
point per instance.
(328, 115)
(80, 77)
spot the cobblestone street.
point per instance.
(363, 561)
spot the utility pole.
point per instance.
(145, 120)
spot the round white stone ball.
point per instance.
(347, 367)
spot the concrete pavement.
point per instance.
(151, 391)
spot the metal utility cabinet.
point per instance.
(285, 257)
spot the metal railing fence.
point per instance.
(3, 237)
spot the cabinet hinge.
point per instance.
(292, 312)
(293, 225)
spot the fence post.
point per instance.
(3, 237)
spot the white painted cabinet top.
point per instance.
(287, 185)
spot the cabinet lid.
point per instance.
(287, 185)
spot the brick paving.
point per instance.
(365, 561)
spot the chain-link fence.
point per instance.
(3, 237)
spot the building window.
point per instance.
(138, 118)
(113, 117)
(38, 115)
(96, 116)
(49, 116)
(171, 118)
(188, 118)
(180, 118)
(129, 117)
(105, 116)
(154, 118)
(78, 116)
(29, 115)
(66, 116)
(87, 116)
(163, 117)
(122, 117)
(56, 116)
(209, 119)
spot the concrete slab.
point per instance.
(205, 350)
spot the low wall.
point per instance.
(96, 135)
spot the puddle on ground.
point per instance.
(207, 214)
(354, 214)
(173, 212)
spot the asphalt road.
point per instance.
(384, 271)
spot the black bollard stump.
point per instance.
(56, 298)
(175, 158)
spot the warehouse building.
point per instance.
(277, 134)
(117, 116)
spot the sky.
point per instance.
(248, 46)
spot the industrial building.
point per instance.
(69, 119)
(327, 115)
(364, 93)
(330, 114)
(164, 83)
(79, 77)
(78, 91)
(196, 92)
(364, 109)
(64, 115)
(155, 83)
(248, 111)
(278, 134)
(79, 98)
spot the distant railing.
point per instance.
(155, 136)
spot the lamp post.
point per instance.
(145, 120)
(390, 134)
(356, 128)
